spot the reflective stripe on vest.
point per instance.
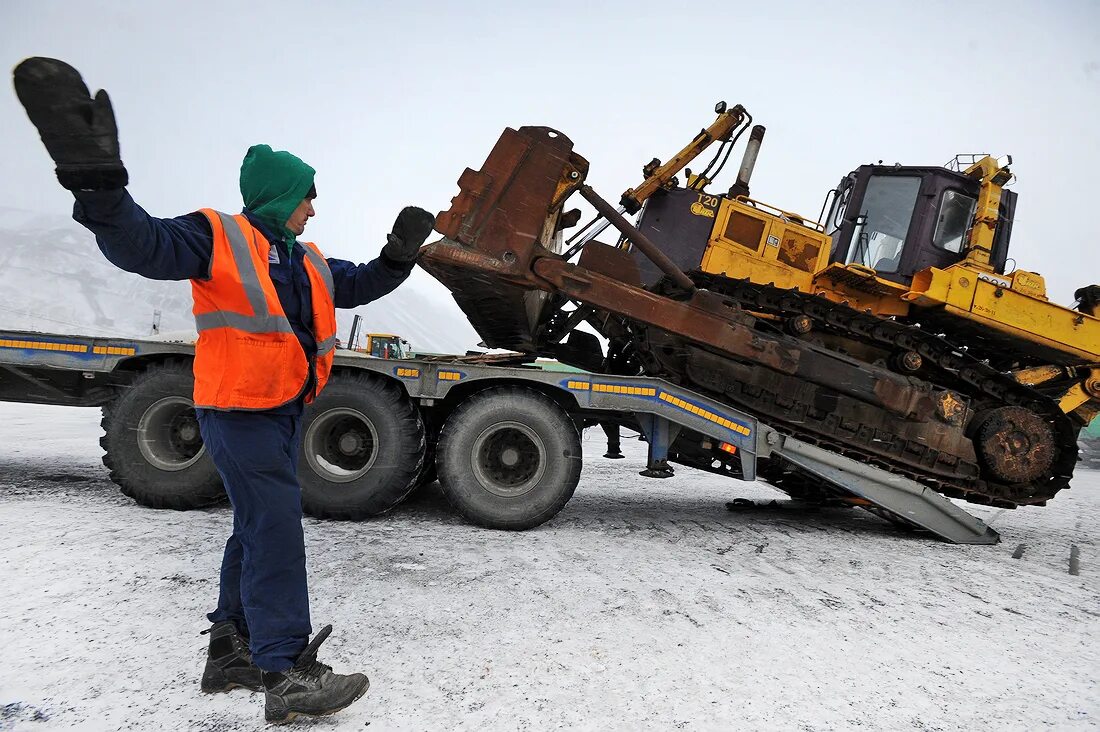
(261, 321)
(321, 266)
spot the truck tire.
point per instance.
(362, 448)
(509, 458)
(152, 444)
(428, 474)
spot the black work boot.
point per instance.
(309, 687)
(228, 662)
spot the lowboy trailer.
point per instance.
(502, 435)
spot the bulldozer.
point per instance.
(889, 329)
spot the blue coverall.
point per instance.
(263, 573)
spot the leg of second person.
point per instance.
(255, 453)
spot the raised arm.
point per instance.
(358, 284)
(81, 136)
(160, 249)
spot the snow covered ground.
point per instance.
(643, 605)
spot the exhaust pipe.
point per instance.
(741, 187)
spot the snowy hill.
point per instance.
(53, 278)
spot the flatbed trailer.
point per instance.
(503, 440)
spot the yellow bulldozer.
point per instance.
(890, 328)
(915, 244)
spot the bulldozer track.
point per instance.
(966, 374)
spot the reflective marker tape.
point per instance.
(45, 346)
(114, 351)
(706, 414)
(675, 401)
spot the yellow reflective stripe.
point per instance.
(67, 347)
(620, 389)
(45, 346)
(706, 414)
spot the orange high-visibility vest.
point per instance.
(247, 356)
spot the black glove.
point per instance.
(412, 227)
(79, 132)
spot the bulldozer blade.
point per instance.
(505, 216)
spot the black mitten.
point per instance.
(412, 227)
(79, 132)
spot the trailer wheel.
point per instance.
(152, 444)
(362, 448)
(428, 474)
(509, 458)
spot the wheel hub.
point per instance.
(509, 459)
(1016, 445)
(341, 445)
(189, 431)
(168, 434)
(350, 443)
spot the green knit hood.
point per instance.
(273, 183)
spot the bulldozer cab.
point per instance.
(899, 220)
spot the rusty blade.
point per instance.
(494, 295)
(509, 209)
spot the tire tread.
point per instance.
(132, 484)
(455, 424)
(411, 441)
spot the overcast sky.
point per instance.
(390, 101)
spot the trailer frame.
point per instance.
(75, 370)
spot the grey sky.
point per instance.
(391, 101)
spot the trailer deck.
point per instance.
(81, 371)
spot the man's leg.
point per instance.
(229, 593)
(228, 660)
(256, 455)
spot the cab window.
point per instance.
(836, 214)
(954, 220)
(879, 235)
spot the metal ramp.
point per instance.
(896, 496)
(663, 409)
